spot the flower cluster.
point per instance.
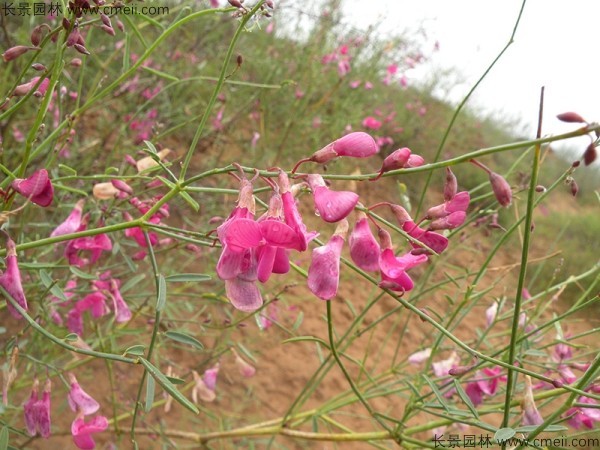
(255, 249)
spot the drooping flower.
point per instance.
(324, 270)
(291, 215)
(82, 431)
(441, 368)
(37, 187)
(491, 313)
(434, 241)
(581, 416)
(332, 206)
(458, 203)
(72, 222)
(79, 400)
(201, 391)
(246, 369)
(420, 356)
(398, 159)
(37, 411)
(372, 123)
(486, 382)
(92, 246)
(364, 248)
(10, 280)
(531, 415)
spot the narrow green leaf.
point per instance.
(436, 392)
(503, 434)
(161, 298)
(67, 169)
(132, 282)
(465, 398)
(164, 382)
(167, 182)
(175, 380)
(190, 201)
(81, 274)
(71, 337)
(188, 277)
(306, 339)
(48, 282)
(150, 385)
(137, 350)
(549, 428)
(298, 321)
(184, 339)
(151, 147)
(3, 438)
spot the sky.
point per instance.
(555, 46)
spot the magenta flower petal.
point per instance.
(356, 145)
(332, 206)
(43, 412)
(82, 431)
(291, 214)
(364, 248)
(79, 400)
(229, 264)
(37, 187)
(324, 270)
(266, 260)
(242, 234)
(30, 409)
(210, 377)
(122, 311)
(279, 234)
(72, 222)
(10, 280)
(282, 261)
(435, 241)
(243, 295)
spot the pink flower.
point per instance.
(37, 411)
(38, 187)
(460, 202)
(93, 245)
(368, 85)
(501, 189)
(122, 311)
(441, 368)
(82, 431)
(584, 416)
(531, 415)
(201, 391)
(354, 84)
(10, 280)
(449, 222)
(291, 215)
(246, 369)
(72, 223)
(332, 206)
(415, 161)
(485, 383)
(210, 377)
(420, 356)
(364, 248)
(371, 123)
(490, 314)
(393, 269)
(24, 89)
(434, 241)
(395, 160)
(79, 400)
(324, 270)
(243, 294)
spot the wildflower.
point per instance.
(364, 249)
(581, 415)
(82, 431)
(291, 215)
(371, 123)
(332, 206)
(441, 368)
(570, 117)
(500, 186)
(420, 356)
(531, 415)
(434, 241)
(414, 161)
(453, 220)
(324, 270)
(72, 222)
(486, 382)
(450, 186)
(244, 294)
(37, 411)
(95, 245)
(37, 188)
(16, 51)
(201, 391)
(393, 269)
(491, 313)
(79, 400)
(458, 203)
(354, 145)
(25, 88)
(10, 280)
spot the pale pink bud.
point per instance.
(39, 67)
(415, 161)
(108, 30)
(76, 62)
(10, 280)
(16, 51)
(531, 415)
(105, 191)
(450, 186)
(79, 400)
(122, 186)
(420, 356)
(501, 189)
(449, 222)
(490, 314)
(570, 117)
(395, 160)
(324, 270)
(364, 248)
(148, 162)
(246, 369)
(332, 206)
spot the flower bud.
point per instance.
(75, 62)
(501, 189)
(451, 185)
(105, 191)
(574, 188)
(39, 67)
(589, 156)
(570, 117)
(16, 51)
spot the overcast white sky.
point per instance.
(556, 46)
